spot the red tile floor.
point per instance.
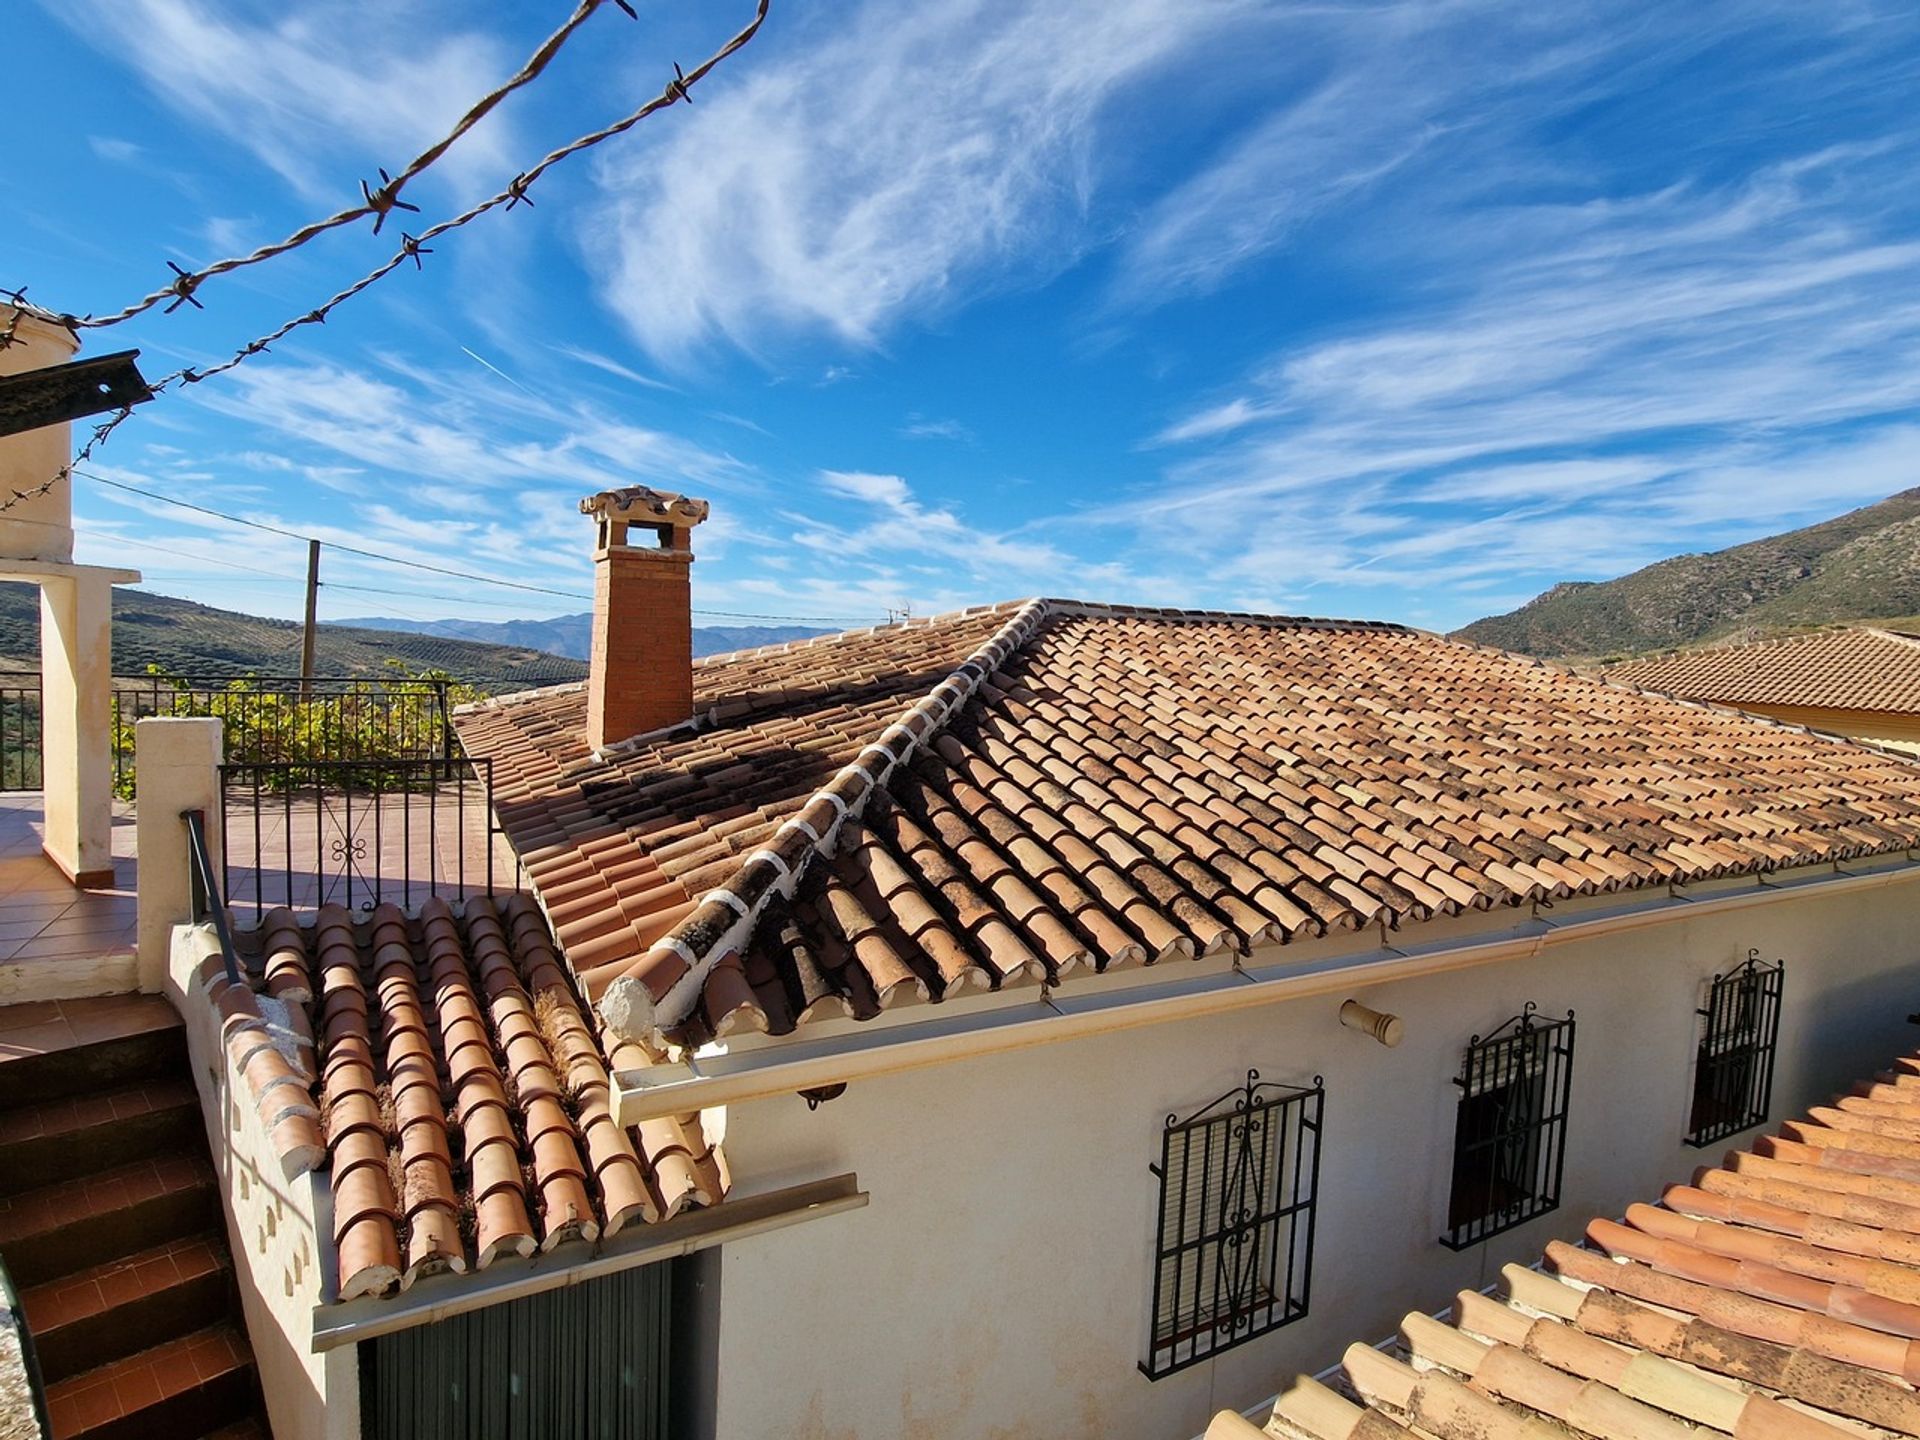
(39, 1027)
(42, 917)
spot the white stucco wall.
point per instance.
(999, 1282)
(276, 1226)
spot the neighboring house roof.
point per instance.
(451, 1045)
(1028, 791)
(1858, 668)
(1777, 1296)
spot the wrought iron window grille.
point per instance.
(1510, 1134)
(1733, 1062)
(1234, 1249)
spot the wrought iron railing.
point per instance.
(20, 735)
(1510, 1134)
(12, 1315)
(1234, 1253)
(282, 719)
(357, 833)
(1733, 1065)
(208, 902)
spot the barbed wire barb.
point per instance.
(412, 247)
(377, 203)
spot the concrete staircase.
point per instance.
(110, 1223)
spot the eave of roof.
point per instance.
(821, 1056)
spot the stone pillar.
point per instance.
(179, 767)
(76, 723)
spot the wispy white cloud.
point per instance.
(483, 437)
(922, 427)
(1622, 379)
(115, 149)
(612, 367)
(1221, 419)
(901, 160)
(297, 86)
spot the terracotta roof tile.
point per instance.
(1853, 668)
(465, 1099)
(1761, 1301)
(1025, 792)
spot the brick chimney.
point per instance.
(642, 659)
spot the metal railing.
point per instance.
(356, 833)
(20, 735)
(11, 1313)
(1733, 1067)
(207, 901)
(1510, 1136)
(273, 719)
(1233, 1260)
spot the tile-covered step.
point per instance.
(58, 1229)
(74, 1135)
(184, 1388)
(107, 1311)
(56, 1048)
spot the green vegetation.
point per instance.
(399, 715)
(178, 637)
(1858, 566)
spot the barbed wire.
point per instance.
(379, 203)
(412, 247)
(80, 457)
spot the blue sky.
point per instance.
(1403, 310)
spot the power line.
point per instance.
(190, 555)
(345, 549)
(424, 565)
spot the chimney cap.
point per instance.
(644, 505)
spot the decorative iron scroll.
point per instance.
(1733, 1066)
(1510, 1135)
(1234, 1251)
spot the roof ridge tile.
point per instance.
(663, 986)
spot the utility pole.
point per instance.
(313, 601)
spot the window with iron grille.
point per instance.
(1733, 1064)
(1235, 1246)
(1510, 1134)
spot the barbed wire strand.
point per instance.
(408, 564)
(379, 203)
(412, 247)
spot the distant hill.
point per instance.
(1859, 566)
(188, 639)
(571, 634)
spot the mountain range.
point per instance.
(571, 634)
(183, 638)
(1863, 565)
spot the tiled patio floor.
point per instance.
(42, 917)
